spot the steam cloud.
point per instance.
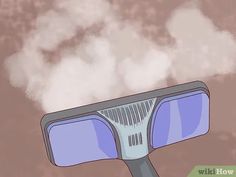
(117, 59)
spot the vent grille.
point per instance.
(130, 114)
(135, 139)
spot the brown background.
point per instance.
(22, 152)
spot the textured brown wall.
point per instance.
(22, 152)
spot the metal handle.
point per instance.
(141, 167)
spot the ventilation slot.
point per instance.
(129, 114)
(135, 139)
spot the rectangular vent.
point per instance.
(135, 139)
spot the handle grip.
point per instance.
(141, 167)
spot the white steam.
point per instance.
(201, 50)
(115, 61)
